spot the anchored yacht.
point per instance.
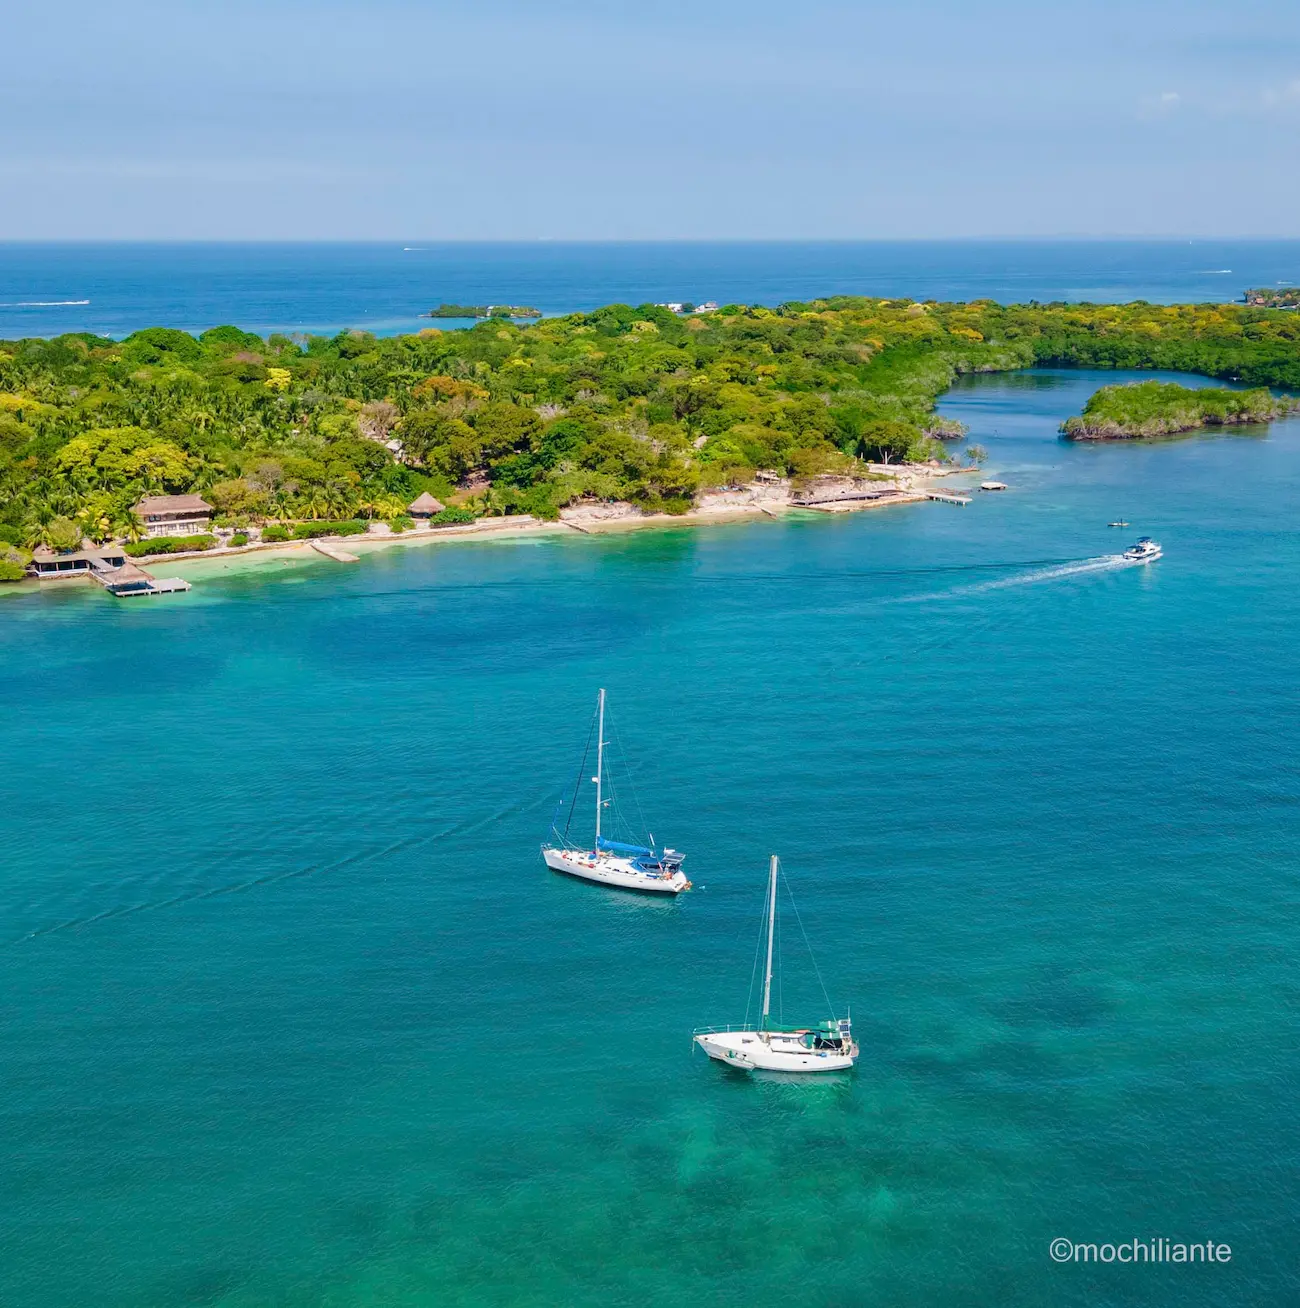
(1145, 550)
(825, 1046)
(650, 868)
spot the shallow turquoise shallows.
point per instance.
(292, 1013)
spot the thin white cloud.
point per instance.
(1159, 106)
(1275, 97)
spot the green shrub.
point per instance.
(312, 530)
(276, 532)
(451, 517)
(63, 534)
(400, 524)
(11, 571)
(541, 501)
(169, 545)
(10, 535)
(238, 539)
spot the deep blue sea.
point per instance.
(292, 1013)
(115, 289)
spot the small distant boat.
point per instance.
(993, 485)
(825, 1046)
(1145, 550)
(1119, 522)
(613, 862)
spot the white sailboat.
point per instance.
(613, 862)
(826, 1046)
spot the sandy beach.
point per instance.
(904, 484)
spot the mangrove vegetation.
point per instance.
(1151, 408)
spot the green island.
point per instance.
(638, 405)
(483, 311)
(1151, 408)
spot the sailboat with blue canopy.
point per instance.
(651, 868)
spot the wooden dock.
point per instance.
(841, 497)
(156, 586)
(856, 503)
(333, 552)
(948, 497)
(130, 580)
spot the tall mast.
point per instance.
(600, 761)
(771, 930)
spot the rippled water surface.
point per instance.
(292, 1013)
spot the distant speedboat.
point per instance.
(825, 1046)
(613, 862)
(1119, 522)
(1145, 550)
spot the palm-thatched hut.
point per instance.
(424, 508)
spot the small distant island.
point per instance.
(1147, 409)
(1273, 297)
(483, 311)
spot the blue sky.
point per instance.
(660, 119)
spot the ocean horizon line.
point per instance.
(1173, 238)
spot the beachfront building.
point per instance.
(51, 566)
(106, 564)
(174, 515)
(424, 508)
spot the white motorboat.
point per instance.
(1145, 550)
(654, 870)
(825, 1046)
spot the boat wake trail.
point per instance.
(1102, 563)
(1034, 577)
(40, 304)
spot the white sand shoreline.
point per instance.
(905, 485)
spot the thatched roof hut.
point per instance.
(424, 507)
(174, 515)
(189, 505)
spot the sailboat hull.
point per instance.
(621, 873)
(749, 1051)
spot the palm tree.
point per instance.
(36, 531)
(312, 503)
(339, 499)
(127, 524)
(489, 504)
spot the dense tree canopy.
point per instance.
(1152, 408)
(630, 402)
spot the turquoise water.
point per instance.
(117, 288)
(292, 1013)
